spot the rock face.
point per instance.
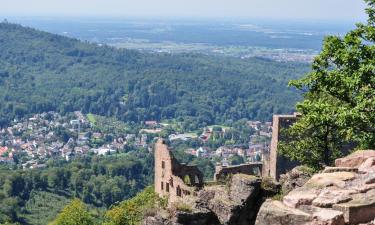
(276, 213)
(235, 204)
(355, 159)
(297, 177)
(340, 195)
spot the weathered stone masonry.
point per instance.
(170, 175)
(275, 164)
(221, 172)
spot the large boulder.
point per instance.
(276, 213)
(235, 203)
(360, 209)
(355, 159)
(368, 166)
(337, 196)
(295, 178)
(327, 217)
(243, 187)
(157, 220)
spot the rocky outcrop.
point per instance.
(235, 203)
(276, 213)
(355, 159)
(340, 195)
(157, 220)
(295, 178)
(178, 217)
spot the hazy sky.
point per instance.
(348, 10)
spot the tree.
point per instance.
(338, 109)
(14, 185)
(131, 212)
(236, 160)
(74, 214)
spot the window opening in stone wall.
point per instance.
(196, 179)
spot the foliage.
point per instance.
(43, 207)
(205, 165)
(74, 214)
(338, 110)
(110, 125)
(183, 207)
(187, 180)
(131, 212)
(236, 160)
(96, 180)
(41, 72)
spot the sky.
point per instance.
(336, 10)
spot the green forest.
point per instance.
(36, 196)
(42, 72)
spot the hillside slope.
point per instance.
(40, 71)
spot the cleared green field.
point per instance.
(221, 126)
(91, 118)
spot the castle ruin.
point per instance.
(221, 172)
(275, 164)
(173, 179)
(176, 181)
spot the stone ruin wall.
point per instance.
(170, 174)
(221, 172)
(275, 164)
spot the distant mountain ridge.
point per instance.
(40, 72)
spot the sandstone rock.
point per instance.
(355, 159)
(328, 217)
(243, 187)
(204, 197)
(359, 210)
(364, 188)
(222, 209)
(157, 220)
(329, 197)
(276, 213)
(370, 179)
(339, 169)
(300, 197)
(340, 195)
(337, 179)
(233, 204)
(295, 178)
(368, 166)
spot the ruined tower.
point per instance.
(172, 179)
(276, 164)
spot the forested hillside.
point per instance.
(36, 196)
(41, 72)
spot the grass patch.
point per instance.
(221, 126)
(91, 118)
(183, 207)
